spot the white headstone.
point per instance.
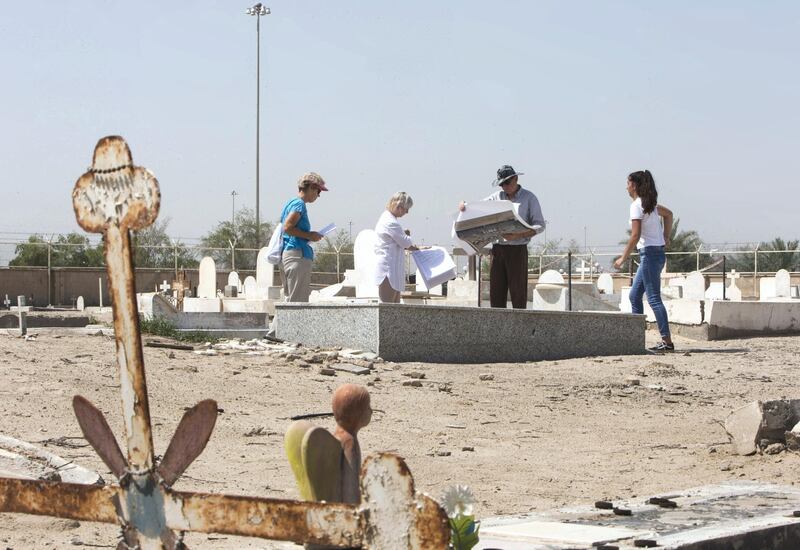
(250, 287)
(695, 287)
(551, 277)
(265, 271)
(233, 280)
(207, 284)
(714, 291)
(164, 287)
(79, 305)
(766, 288)
(365, 260)
(605, 283)
(733, 292)
(782, 284)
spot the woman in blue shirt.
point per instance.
(297, 254)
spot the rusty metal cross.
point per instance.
(115, 197)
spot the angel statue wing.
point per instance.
(316, 460)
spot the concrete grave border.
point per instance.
(452, 334)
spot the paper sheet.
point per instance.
(330, 228)
(435, 265)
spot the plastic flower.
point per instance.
(457, 500)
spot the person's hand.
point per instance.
(618, 262)
(512, 236)
(462, 206)
(407, 232)
(314, 236)
(413, 248)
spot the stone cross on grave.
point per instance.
(733, 276)
(114, 198)
(180, 286)
(7, 302)
(583, 269)
(164, 286)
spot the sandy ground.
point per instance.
(538, 436)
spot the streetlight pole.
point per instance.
(233, 212)
(258, 10)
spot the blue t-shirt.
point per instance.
(297, 243)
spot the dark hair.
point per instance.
(646, 190)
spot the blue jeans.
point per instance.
(648, 279)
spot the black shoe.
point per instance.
(663, 346)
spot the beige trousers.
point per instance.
(296, 272)
(387, 294)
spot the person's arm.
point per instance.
(535, 218)
(399, 236)
(636, 233)
(666, 213)
(290, 228)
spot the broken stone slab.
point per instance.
(352, 369)
(23, 460)
(761, 420)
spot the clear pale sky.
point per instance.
(423, 96)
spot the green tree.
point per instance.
(325, 253)
(771, 257)
(71, 250)
(152, 247)
(242, 233)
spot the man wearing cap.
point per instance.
(509, 267)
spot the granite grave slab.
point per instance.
(450, 334)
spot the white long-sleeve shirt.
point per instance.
(392, 241)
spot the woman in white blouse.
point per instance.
(392, 241)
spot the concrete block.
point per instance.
(445, 334)
(243, 305)
(738, 319)
(202, 305)
(759, 420)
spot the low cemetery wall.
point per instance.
(67, 283)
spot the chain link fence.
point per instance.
(749, 262)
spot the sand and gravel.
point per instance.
(533, 436)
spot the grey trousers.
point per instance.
(296, 272)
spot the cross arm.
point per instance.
(310, 522)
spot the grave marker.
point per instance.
(583, 269)
(7, 302)
(364, 260)
(782, 284)
(695, 287)
(207, 285)
(164, 287)
(23, 316)
(250, 288)
(733, 292)
(79, 304)
(234, 281)
(265, 271)
(605, 283)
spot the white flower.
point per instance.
(457, 500)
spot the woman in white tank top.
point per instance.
(650, 238)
